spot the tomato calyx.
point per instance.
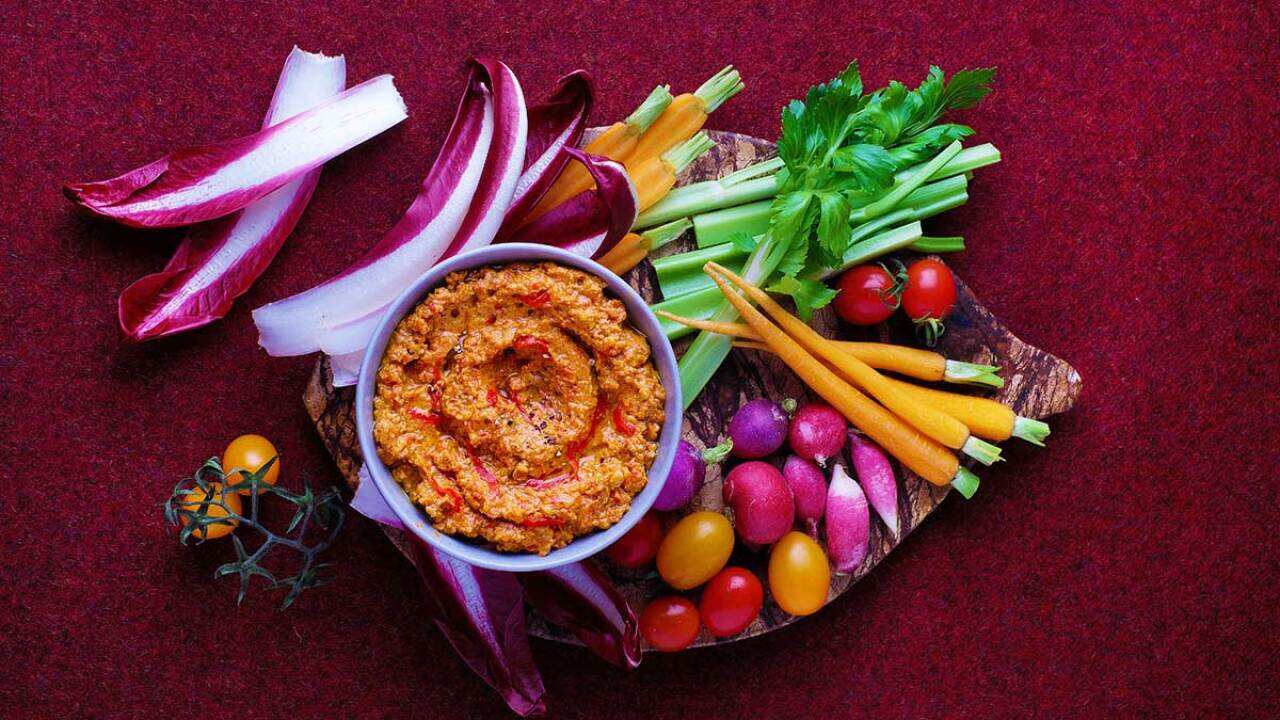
(892, 295)
(929, 330)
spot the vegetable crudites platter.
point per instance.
(520, 429)
(626, 369)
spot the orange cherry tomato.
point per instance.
(669, 623)
(250, 452)
(637, 547)
(695, 549)
(799, 576)
(731, 601)
(192, 500)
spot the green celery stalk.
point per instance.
(691, 282)
(875, 246)
(932, 192)
(750, 183)
(681, 274)
(964, 163)
(708, 350)
(720, 226)
(904, 188)
(925, 202)
(664, 234)
(699, 304)
(705, 355)
(938, 244)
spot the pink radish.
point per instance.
(875, 474)
(809, 488)
(817, 432)
(758, 429)
(688, 471)
(848, 522)
(763, 510)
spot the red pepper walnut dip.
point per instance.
(516, 405)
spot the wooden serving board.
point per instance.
(1037, 385)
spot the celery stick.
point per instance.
(968, 160)
(721, 226)
(690, 282)
(934, 191)
(873, 247)
(693, 260)
(938, 244)
(924, 202)
(684, 269)
(700, 305)
(664, 234)
(708, 350)
(917, 178)
(752, 219)
(750, 183)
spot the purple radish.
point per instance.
(758, 429)
(848, 522)
(875, 474)
(809, 488)
(688, 472)
(817, 432)
(763, 510)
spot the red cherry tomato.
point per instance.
(931, 291)
(930, 296)
(731, 601)
(669, 623)
(866, 295)
(637, 548)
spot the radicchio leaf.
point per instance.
(202, 183)
(481, 614)
(460, 206)
(554, 125)
(583, 600)
(592, 222)
(219, 262)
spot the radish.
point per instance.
(758, 429)
(809, 489)
(848, 522)
(875, 473)
(685, 479)
(817, 432)
(763, 510)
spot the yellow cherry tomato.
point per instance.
(250, 452)
(799, 576)
(695, 549)
(191, 501)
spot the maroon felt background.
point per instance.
(1129, 570)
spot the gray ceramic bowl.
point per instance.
(412, 516)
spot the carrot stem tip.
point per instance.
(966, 482)
(1033, 431)
(981, 450)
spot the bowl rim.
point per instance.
(413, 517)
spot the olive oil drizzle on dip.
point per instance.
(517, 406)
